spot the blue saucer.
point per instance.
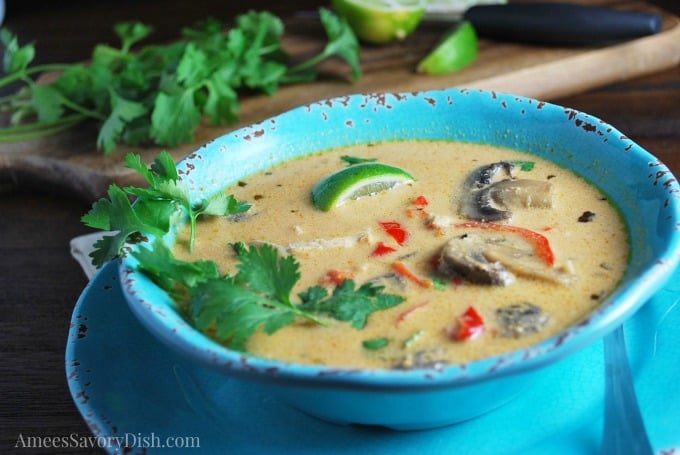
(132, 391)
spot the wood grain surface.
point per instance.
(71, 161)
(40, 282)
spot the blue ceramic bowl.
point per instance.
(645, 191)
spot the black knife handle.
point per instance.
(564, 24)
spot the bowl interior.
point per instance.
(642, 188)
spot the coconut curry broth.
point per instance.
(451, 314)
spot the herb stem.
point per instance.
(306, 64)
(40, 129)
(295, 310)
(192, 232)
(81, 109)
(33, 70)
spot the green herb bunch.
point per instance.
(228, 307)
(158, 94)
(166, 199)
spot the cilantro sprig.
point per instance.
(159, 94)
(155, 206)
(233, 307)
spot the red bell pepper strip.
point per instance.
(418, 208)
(469, 326)
(420, 201)
(395, 230)
(404, 271)
(406, 314)
(381, 250)
(539, 241)
(336, 277)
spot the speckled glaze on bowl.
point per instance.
(645, 191)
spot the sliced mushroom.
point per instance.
(480, 206)
(474, 204)
(524, 262)
(464, 256)
(521, 319)
(487, 200)
(483, 176)
(389, 279)
(496, 258)
(523, 193)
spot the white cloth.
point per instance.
(81, 247)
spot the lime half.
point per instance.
(381, 21)
(457, 50)
(354, 182)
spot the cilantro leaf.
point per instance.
(154, 208)
(46, 102)
(123, 112)
(258, 295)
(342, 42)
(221, 204)
(233, 308)
(235, 312)
(524, 165)
(375, 343)
(131, 33)
(161, 170)
(194, 67)
(164, 184)
(174, 118)
(16, 58)
(264, 271)
(348, 303)
(158, 262)
(117, 214)
(221, 104)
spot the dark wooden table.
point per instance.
(40, 282)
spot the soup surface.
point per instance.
(484, 265)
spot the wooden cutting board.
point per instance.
(70, 161)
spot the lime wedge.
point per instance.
(457, 50)
(381, 21)
(354, 182)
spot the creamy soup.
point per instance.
(491, 249)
